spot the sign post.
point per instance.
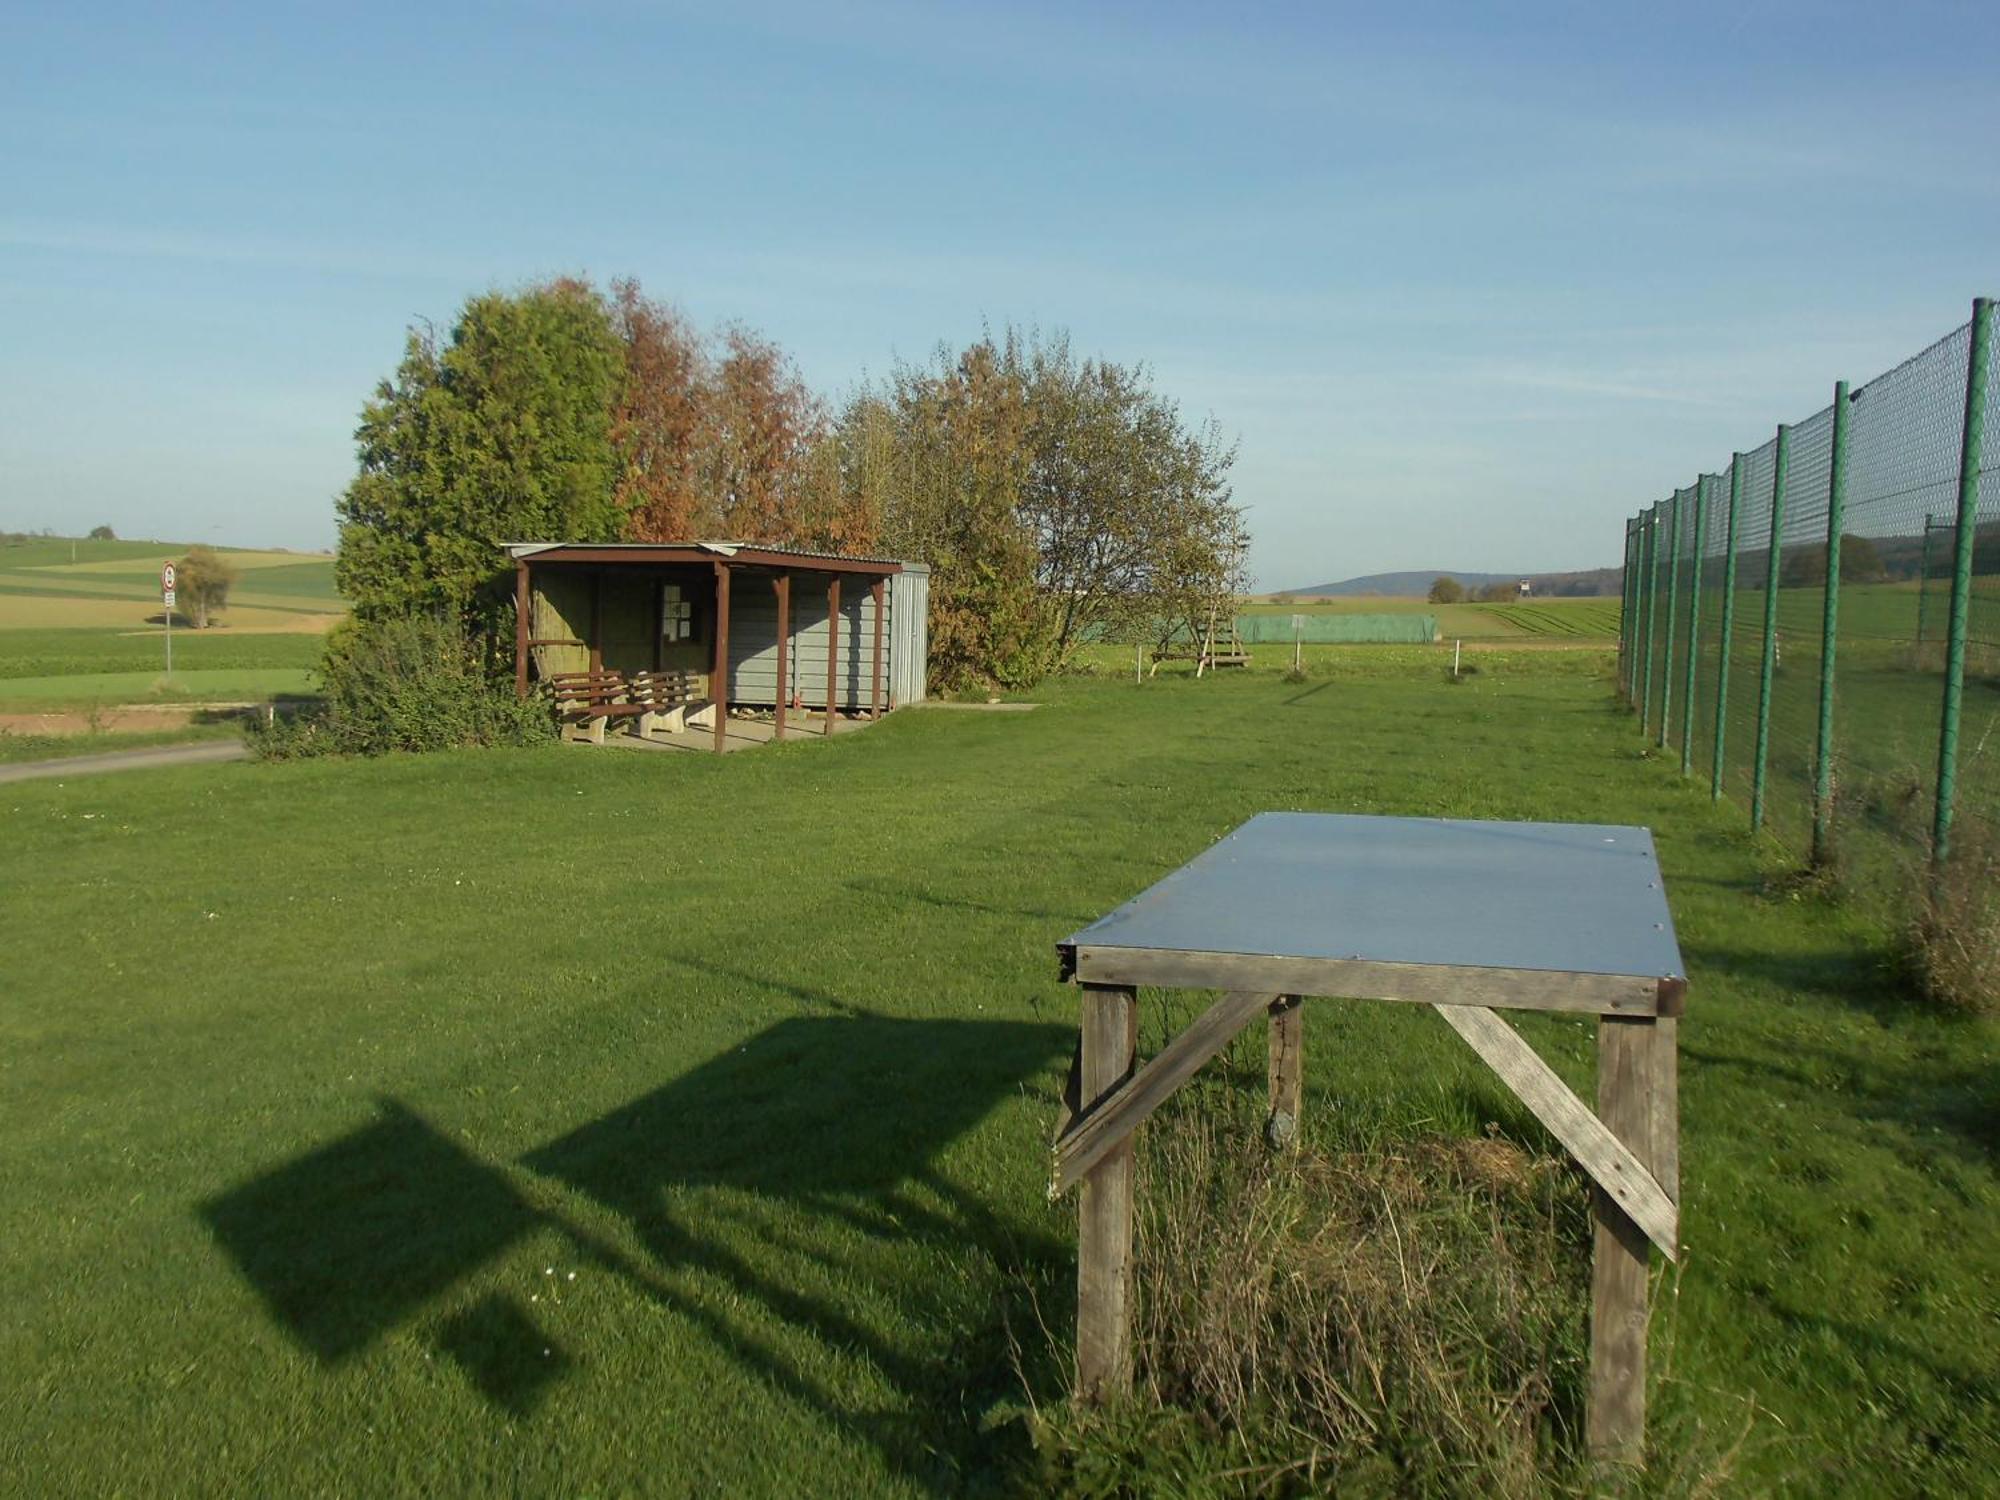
(167, 598)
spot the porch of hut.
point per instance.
(748, 624)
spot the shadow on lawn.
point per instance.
(788, 1168)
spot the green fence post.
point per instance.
(1625, 613)
(1829, 631)
(1694, 624)
(1969, 458)
(1673, 600)
(1728, 625)
(1635, 541)
(1780, 465)
(1650, 582)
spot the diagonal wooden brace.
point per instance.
(1088, 1138)
(1610, 1163)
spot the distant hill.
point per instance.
(1417, 583)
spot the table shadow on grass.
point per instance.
(841, 1121)
(835, 1121)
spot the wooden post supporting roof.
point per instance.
(782, 584)
(523, 608)
(832, 644)
(875, 698)
(596, 621)
(1104, 1211)
(718, 687)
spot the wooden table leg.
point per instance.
(1637, 1087)
(1287, 1069)
(1104, 1209)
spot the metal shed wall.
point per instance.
(909, 633)
(753, 643)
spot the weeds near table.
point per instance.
(1368, 1317)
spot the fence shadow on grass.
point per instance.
(793, 1168)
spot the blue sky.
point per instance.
(1469, 283)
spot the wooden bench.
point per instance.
(665, 696)
(587, 701)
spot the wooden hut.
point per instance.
(752, 625)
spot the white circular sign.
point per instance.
(167, 578)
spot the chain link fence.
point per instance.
(1813, 630)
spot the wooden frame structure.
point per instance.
(1335, 882)
(721, 563)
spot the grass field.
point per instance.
(56, 582)
(88, 633)
(587, 1122)
(1578, 620)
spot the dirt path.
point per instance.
(127, 760)
(126, 716)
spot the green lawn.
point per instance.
(64, 653)
(108, 689)
(589, 1122)
(1593, 619)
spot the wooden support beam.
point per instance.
(1366, 979)
(1072, 1094)
(1108, 1120)
(1635, 1099)
(782, 583)
(832, 643)
(596, 621)
(1615, 1169)
(523, 607)
(1287, 1069)
(875, 698)
(1104, 1208)
(718, 687)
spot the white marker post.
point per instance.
(167, 598)
(1298, 635)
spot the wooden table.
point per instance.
(1466, 917)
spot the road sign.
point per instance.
(167, 601)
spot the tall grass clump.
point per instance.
(1954, 933)
(1355, 1316)
(1370, 1317)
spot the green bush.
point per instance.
(412, 683)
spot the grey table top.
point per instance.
(1581, 898)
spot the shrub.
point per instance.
(413, 683)
(1955, 930)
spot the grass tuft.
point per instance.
(1952, 937)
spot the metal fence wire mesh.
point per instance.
(1796, 621)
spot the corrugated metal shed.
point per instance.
(753, 644)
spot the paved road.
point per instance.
(128, 760)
